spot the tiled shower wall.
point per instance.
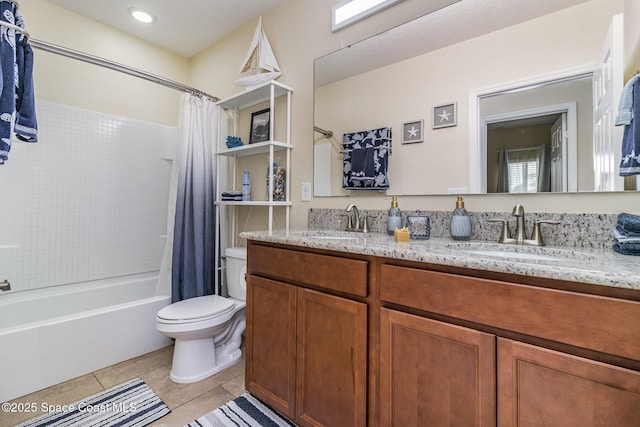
(89, 201)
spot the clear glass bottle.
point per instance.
(394, 217)
(460, 226)
(279, 180)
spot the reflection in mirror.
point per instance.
(536, 139)
(379, 83)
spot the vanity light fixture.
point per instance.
(348, 12)
(142, 16)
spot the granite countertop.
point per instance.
(586, 265)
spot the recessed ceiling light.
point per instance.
(142, 16)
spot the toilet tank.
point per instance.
(236, 269)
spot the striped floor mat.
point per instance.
(127, 405)
(243, 411)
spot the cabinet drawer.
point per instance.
(324, 271)
(603, 324)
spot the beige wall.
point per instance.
(299, 31)
(71, 82)
(632, 37)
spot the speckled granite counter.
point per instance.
(586, 265)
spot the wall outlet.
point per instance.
(305, 194)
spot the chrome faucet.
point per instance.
(521, 230)
(5, 286)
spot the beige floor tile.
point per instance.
(195, 408)
(230, 373)
(186, 401)
(134, 368)
(59, 394)
(235, 386)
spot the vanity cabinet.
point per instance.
(306, 349)
(335, 339)
(434, 373)
(488, 374)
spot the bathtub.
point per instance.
(55, 334)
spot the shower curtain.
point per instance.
(194, 236)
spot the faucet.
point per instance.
(356, 222)
(5, 285)
(355, 214)
(521, 230)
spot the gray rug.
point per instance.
(242, 411)
(131, 404)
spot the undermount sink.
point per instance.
(329, 235)
(515, 255)
(331, 238)
(518, 252)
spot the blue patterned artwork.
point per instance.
(366, 159)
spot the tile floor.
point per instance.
(186, 401)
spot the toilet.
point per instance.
(208, 330)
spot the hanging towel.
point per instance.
(17, 104)
(26, 127)
(628, 110)
(366, 159)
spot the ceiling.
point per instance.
(199, 23)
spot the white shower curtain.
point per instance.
(188, 264)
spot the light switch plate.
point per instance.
(305, 194)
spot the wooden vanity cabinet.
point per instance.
(434, 373)
(306, 349)
(459, 376)
(340, 341)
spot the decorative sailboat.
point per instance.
(260, 65)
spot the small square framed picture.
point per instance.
(445, 115)
(259, 126)
(412, 131)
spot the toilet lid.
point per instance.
(197, 308)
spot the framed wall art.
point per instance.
(260, 126)
(412, 132)
(445, 115)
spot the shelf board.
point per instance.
(253, 149)
(252, 203)
(254, 95)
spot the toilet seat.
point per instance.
(196, 310)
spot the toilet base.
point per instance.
(195, 370)
(197, 359)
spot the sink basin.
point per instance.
(343, 236)
(332, 238)
(514, 255)
(519, 252)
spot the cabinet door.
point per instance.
(270, 343)
(332, 361)
(434, 373)
(540, 387)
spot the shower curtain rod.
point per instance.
(96, 60)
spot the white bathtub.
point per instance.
(55, 334)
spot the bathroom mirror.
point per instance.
(513, 77)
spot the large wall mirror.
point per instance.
(529, 91)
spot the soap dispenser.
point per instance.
(394, 218)
(460, 222)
